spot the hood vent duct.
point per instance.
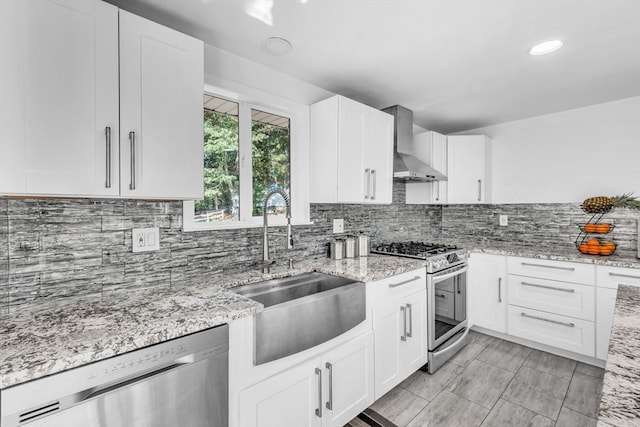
(405, 166)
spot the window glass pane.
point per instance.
(270, 142)
(221, 175)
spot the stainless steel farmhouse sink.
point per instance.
(302, 311)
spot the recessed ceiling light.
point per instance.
(277, 46)
(546, 47)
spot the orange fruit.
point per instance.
(605, 251)
(608, 246)
(593, 242)
(603, 228)
(590, 228)
(584, 248)
(594, 250)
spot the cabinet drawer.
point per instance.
(566, 299)
(552, 270)
(611, 277)
(400, 285)
(575, 335)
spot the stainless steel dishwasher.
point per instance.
(182, 382)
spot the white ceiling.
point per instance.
(458, 64)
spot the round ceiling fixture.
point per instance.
(546, 47)
(277, 46)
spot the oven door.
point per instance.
(447, 301)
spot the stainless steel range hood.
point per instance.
(405, 166)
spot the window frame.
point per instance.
(298, 116)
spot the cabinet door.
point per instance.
(289, 399)
(161, 87)
(349, 380)
(487, 291)
(65, 99)
(467, 158)
(414, 351)
(378, 155)
(353, 180)
(431, 148)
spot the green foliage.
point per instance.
(270, 161)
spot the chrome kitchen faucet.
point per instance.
(266, 262)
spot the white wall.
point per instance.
(567, 156)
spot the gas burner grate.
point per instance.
(413, 249)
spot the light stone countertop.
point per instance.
(51, 338)
(620, 404)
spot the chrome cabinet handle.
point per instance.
(499, 289)
(410, 313)
(132, 143)
(404, 282)
(319, 408)
(329, 366)
(535, 285)
(441, 295)
(403, 337)
(438, 188)
(530, 264)
(629, 276)
(479, 190)
(368, 175)
(571, 325)
(107, 135)
(373, 184)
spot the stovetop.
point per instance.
(438, 256)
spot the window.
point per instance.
(247, 153)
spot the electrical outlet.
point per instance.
(145, 239)
(338, 225)
(504, 220)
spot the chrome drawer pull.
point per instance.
(499, 289)
(530, 264)
(571, 325)
(330, 402)
(107, 135)
(410, 312)
(319, 408)
(548, 287)
(441, 295)
(403, 337)
(629, 276)
(395, 285)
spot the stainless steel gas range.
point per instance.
(446, 295)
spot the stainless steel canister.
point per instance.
(350, 247)
(336, 249)
(363, 245)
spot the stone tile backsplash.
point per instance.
(52, 249)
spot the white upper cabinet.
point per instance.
(469, 169)
(59, 108)
(74, 87)
(161, 87)
(431, 148)
(351, 152)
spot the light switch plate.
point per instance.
(338, 225)
(504, 220)
(145, 239)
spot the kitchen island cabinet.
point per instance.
(98, 102)
(351, 153)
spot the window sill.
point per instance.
(211, 226)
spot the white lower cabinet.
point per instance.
(488, 291)
(563, 332)
(327, 390)
(607, 281)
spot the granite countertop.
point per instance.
(572, 255)
(620, 404)
(52, 338)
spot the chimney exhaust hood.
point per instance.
(405, 166)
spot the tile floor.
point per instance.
(492, 382)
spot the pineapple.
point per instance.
(603, 204)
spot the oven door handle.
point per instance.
(437, 279)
